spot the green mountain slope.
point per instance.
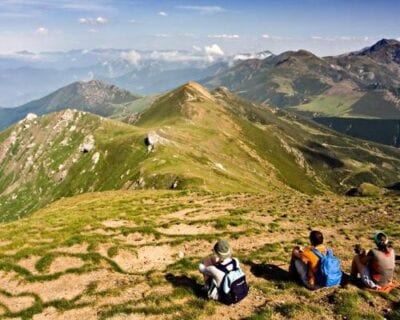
(359, 84)
(302, 155)
(212, 141)
(93, 96)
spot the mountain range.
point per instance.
(363, 84)
(188, 138)
(359, 84)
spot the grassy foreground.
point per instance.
(134, 255)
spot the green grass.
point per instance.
(335, 105)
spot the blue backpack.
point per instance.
(329, 272)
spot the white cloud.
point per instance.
(132, 21)
(203, 9)
(101, 20)
(162, 35)
(93, 21)
(316, 38)
(93, 30)
(265, 36)
(196, 48)
(42, 31)
(398, 39)
(162, 14)
(213, 51)
(174, 56)
(83, 6)
(133, 57)
(224, 36)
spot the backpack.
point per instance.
(233, 287)
(329, 272)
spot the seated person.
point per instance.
(376, 268)
(305, 264)
(215, 268)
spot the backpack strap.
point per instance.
(224, 268)
(317, 253)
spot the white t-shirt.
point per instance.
(213, 272)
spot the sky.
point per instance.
(325, 27)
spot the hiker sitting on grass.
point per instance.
(376, 268)
(224, 280)
(315, 266)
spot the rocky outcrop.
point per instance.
(87, 145)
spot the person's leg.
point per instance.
(359, 268)
(302, 271)
(356, 267)
(206, 262)
(367, 280)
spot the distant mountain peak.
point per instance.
(194, 90)
(95, 96)
(386, 42)
(385, 50)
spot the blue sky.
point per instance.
(322, 26)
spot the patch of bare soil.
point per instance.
(60, 264)
(125, 295)
(187, 229)
(103, 248)
(248, 243)
(67, 286)
(117, 223)
(4, 243)
(137, 239)
(29, 263)
(195, 248)
(147, 258)
(86, 313)
(195, 215)
(17, 304)
(139, 316)
(259, 217)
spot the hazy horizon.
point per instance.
(323, 27)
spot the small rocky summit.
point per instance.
(97, 92)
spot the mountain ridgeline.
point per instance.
(365, 83)
(93, 96)
(196, 140)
